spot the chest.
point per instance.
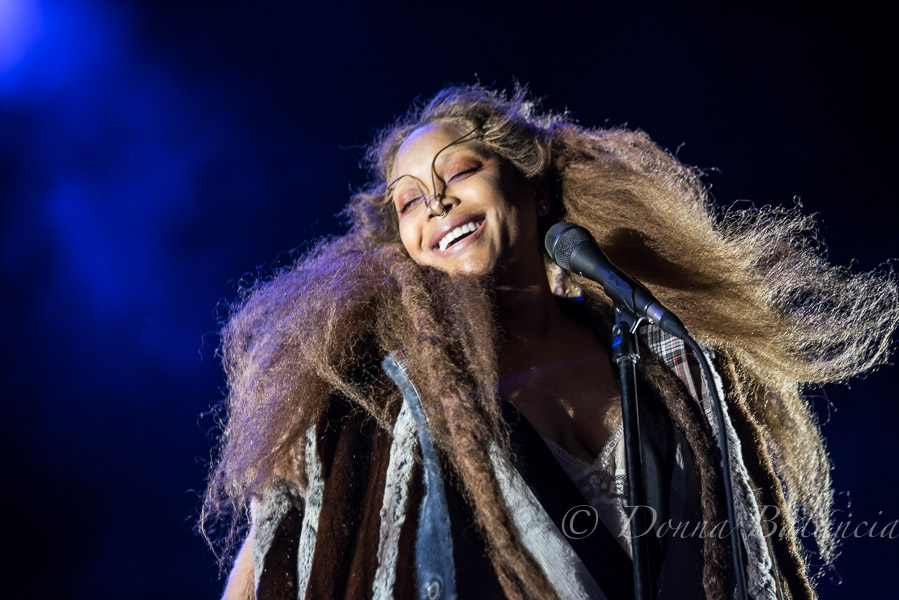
(575, 403)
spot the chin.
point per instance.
(474, 269)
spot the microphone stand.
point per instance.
(574, 249)
(624, 353)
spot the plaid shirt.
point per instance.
(759, 559)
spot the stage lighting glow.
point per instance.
(20, 28)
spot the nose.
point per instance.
(437, 205)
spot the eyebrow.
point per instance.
(442, 159)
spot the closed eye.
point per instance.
(407, 204)
(464, 173)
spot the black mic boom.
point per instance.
(574, 249)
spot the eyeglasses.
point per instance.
(409, 192)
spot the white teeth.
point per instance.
(458, 232)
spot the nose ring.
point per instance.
(437, 198)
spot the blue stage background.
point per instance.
(153, 153)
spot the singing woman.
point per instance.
(426, 407)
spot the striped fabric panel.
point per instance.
(563, 567)
(268, 514)
(312, 512)
(434, 542)
(393, 507)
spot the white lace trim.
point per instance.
(603, 483)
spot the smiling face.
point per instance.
(490, 223)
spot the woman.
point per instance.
(416, 407)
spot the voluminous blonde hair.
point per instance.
(753, 284)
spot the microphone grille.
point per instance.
(561, 239)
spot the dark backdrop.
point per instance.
(154, 152)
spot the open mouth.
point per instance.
(459, 233)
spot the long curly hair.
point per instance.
(752, 284)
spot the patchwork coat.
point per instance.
(377, 523)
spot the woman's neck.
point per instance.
(533, 327)
(526, 314)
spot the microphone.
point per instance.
(574, 249)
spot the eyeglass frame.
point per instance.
(429, 198)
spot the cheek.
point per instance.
(410, 235)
